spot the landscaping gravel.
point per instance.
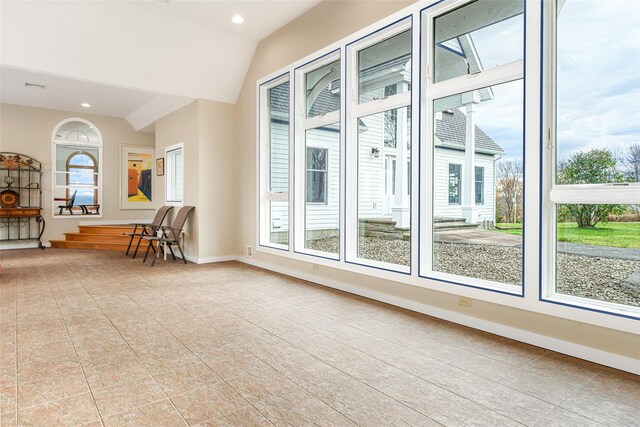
(605, 279)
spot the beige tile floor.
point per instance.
(94, 338)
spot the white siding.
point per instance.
(279, 161)
(321, 216)
(370, 168)
(442, 208)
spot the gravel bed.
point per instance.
(605, 279)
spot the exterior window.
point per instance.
(476, 147)
(274, 167)
(77, 177)
(479, 185)
(174, 174)
(593, 174)
(380, 118)
(455, 172)
(317, 162)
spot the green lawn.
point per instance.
(616, 234)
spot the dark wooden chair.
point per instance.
(169, 235)
(69, 203)
(141, 229)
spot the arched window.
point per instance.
(78, 167)
(82, 170)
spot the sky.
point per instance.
(598, 78)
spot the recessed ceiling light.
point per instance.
(85, 105)
(237, 19)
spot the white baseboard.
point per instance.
(208, 260)
(576, 350)
(10, 245)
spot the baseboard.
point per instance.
(21, 245)
(209, 260)
(576, 350)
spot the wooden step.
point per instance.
(97, 238)
(116, 230)
(100, 246)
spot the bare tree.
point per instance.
(509, 191)
(632, 161)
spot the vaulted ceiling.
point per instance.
(134, 59)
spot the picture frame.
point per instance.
(160, 166)
(136, 176)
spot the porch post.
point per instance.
(400, 209)
(469, 211)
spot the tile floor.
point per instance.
(227, 344)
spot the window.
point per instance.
(593, 159)
(380, 122)
(476, 106)
(479, 185)
(275, 138)
(77, 160)
(455, 171)
(317, 162)
(317, 175)
(174, 173)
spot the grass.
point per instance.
(613, 234)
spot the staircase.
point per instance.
(448, 224)
(98, 237)
(382, 228)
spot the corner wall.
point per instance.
(321, 26)
(28, 130)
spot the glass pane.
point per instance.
(383, 212)
(77, 132)
(279, 138)
(323, 90)
(75, 155)
(479, 130)
(322, 210)
(278, 162)
(178, 176)
(598, 92)
(279, 222)
(478, 36)
(598, 252)
(384, 69)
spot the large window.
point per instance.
(593, 227)
(77, 160)
(402, 152)
(317, 163)
(174, 174)
(380, 123)
(475, 105)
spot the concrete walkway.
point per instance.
(477, 236)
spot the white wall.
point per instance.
(28, 130)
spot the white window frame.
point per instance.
(355, 110)
(554, 194)
(536, 125)
(326, 175)
(265, 197)
(431, 91)
(60, 142)
(482, 191)
(170, 175)
(459, 203)
(302, 124)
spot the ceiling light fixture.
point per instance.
(237, 19)
(85, 105)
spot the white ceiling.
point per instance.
(132, 59)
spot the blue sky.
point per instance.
(598, 78)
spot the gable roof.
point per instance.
(452, 132)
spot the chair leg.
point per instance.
(157, 254)
(171, 250)
(135, 227)
(146, 254)
(181, 252)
